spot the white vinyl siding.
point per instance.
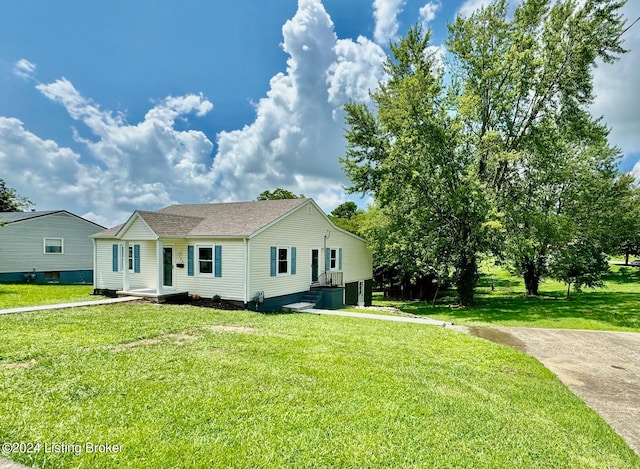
(230, 286)
(106, 278)
(304, 229)
(22, 244)
(138, 231)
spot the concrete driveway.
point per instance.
(603, 368)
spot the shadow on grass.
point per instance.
(609, 308)
(624, 275)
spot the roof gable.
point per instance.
(14, 217)
(225, 220)
(234, 219)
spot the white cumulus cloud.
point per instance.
(385, 13)
(297, 136)
(428, 12)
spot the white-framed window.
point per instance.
(204, 260)
(53, 246)
(333, 259)
(127, 259)
(283, 260)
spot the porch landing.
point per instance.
(154, 295)
(300, 306)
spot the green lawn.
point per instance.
(615, 307)
(14, 295)
(179, 386)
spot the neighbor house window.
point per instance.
(53, 245)
(283, 260)
(204, 260)
(333, 262)
(130, 258)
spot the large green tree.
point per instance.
(489, 157)
(408, 152)
(525, 83)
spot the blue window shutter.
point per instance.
(218, 256)
(273, 260)
(340, 259)
(136, 258)
(293, 260)
(114, 257)
(190, 261)
(327, 259)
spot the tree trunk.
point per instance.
(532, 273)
(626, 257)
(531, 279)
(568, 290)
(466, 280)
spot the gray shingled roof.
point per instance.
(233, 219)
(10, 217)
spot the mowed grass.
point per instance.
(179, 386)
(14, 295)
(616, 307)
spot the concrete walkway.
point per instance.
(380, 317)
(107, 301)
(601, 367)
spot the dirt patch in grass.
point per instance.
(233, 329)
(178, 339)
(17, 365)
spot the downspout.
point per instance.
(95, 262)
(246, 271)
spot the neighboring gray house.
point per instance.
(261, 255)
(46, 247)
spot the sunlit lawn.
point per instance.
(615, 307)
(180, 386)
(13, 295)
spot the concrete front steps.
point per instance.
(298, 307)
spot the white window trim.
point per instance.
(288, 272)
(44, 246)
(337, 267)
(122, 259)
(196, 260)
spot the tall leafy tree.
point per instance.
(524, 84)
(408, 152)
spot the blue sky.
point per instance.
(108, 107)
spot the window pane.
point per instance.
(53, 245)
(333, 258)
(283, 264)
(130, 257)
(205, 254)
(205, 260)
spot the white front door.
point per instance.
(361, 293)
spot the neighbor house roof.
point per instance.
(232, 219)
(12, 217)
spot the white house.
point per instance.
(261, 255)
(46, 247)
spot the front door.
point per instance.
(360, 293)
(167, 267)
(315, 259)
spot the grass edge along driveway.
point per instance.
(179, 386)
